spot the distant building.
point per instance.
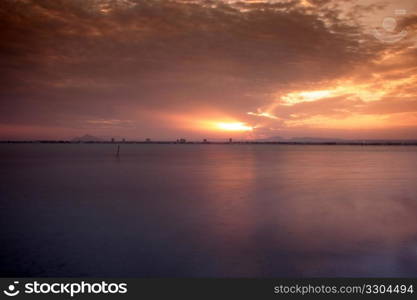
(230, 140)
(112, 140)
(182, 141)
(148, 140)
(205, 141)
(123, 140)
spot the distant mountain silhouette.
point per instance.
(316, 140)
(271, 139)
(300, 139)
(319, 140)
(87, 138)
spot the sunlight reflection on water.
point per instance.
(208, 210)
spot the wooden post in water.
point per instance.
(118, 150)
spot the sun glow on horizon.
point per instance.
(234, 126)
(212, 122)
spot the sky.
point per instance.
(197, 69)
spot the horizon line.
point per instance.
(411, 142)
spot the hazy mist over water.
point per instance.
(208, 210)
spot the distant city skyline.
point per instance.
(87, 138)
(197, 70)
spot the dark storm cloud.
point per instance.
(67, 62)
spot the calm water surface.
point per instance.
(208, 210)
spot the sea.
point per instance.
(208, 210)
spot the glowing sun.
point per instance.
(236, 126)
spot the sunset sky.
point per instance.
(208, 69)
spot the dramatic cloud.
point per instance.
(164, 69)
